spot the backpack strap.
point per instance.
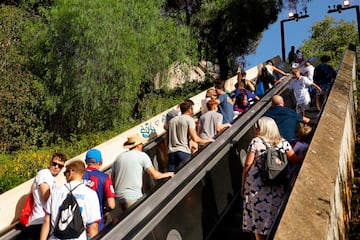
(265, 143)
(70, 190)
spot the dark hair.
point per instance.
(190, 101)
(62, 156)
(269, 61)
(325, 59)
(185, 106)
(220, 85)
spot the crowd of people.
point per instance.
(288, 130)
(98, 193)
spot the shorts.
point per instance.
(302, 107)
(325, 88)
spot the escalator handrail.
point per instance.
(141, 220)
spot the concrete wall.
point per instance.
(319, 205)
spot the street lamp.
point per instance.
(292, 17)
(338, 8)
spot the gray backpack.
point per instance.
(274, 167)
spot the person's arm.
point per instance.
(316, 86)
(199, 129)
(111, 203)
(45, 228)
(280, 71)
(248, 163)
(109, 193)
(92, 229)
(293, 157)
(221, 126)
(158, 175)
(250, 85)
(44, 191)
(309, 121)
(197, 139)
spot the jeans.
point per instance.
(177, 159)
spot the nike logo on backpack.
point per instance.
(66, 217)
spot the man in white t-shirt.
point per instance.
(300, 85)
(308, 70)
(42, 187)
(85, 197)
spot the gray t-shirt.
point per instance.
(127, 172)
(178, 133)
(208, 122)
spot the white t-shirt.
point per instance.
(87, 199)
(300, 87)
(38, 214)
(308, 71)
(270, 69)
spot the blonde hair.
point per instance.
(210, 92)
(268, 130)
(305, 133)
(76, 165)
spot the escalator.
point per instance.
(202, 200)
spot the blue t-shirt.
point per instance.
(226, 108)
(286, 120)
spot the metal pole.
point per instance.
(282, 40)
(358, 19)
(283, 34)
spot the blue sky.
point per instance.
(296, 32)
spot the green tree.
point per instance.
(228, 29)
(21, 93)
(225, 29)
(94, 57)
(330, 37)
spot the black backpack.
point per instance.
(69, 222)
(274, 167)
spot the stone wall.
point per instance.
(319, 205)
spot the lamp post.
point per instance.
(294, 17)
(338, 8)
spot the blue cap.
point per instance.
(93, 154)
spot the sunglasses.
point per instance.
(54, 164)
(66, 173)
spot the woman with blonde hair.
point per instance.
(261, 201)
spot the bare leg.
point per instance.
(318, 101)
(260, 236)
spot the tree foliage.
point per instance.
(94, 57)
(226, 29)
(330, 37)
(21, 93)
(76, 66)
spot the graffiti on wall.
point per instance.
(152, 128)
